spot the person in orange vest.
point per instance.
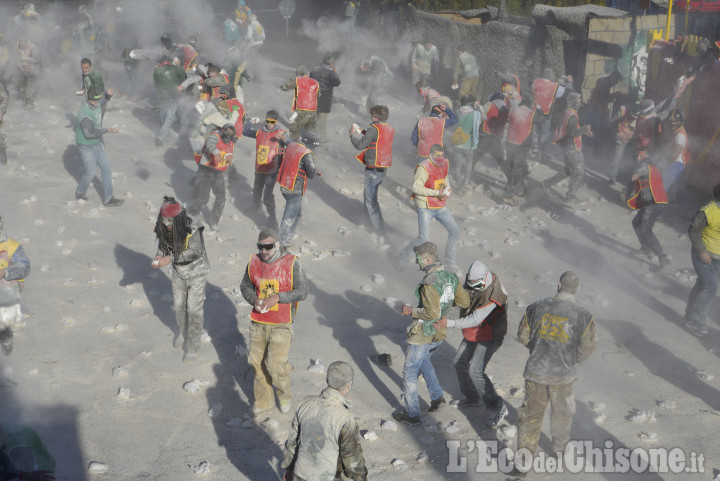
(305, 102)
(274, 283)
(376, 143)
(646, 194)
(430, 130)
(14, 268)
(494, 117)
(521, 120)
(268, 153)
(431, 188)
(568, 134)
(297, 166)
(484, 325)
(544, 92)
(183, 246)
(215, 158)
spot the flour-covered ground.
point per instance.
(99, 319)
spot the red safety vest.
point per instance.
(437, 170)
(306, 94)
(520, 124)
(267, 150)
(654, 182)
(226, 155)
(430, 132)
(270, 279)
(561, 129)
(544, 91)
(232, 103)
(216, 90)
(686, 148)
(494, 123)
(382, 147)
(189, 55)
(290, 166)
(484, 331)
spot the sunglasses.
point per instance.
(265, 247)
(270, 121)
(477, 284)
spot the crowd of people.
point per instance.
(451, 135)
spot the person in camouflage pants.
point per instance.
(183, 245)
(305, 103)
(324, 439)
(3, 108)
(559, 334)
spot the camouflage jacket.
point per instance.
(193, 261)
(324, 440)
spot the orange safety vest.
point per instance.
(232, 103)
(561, 129)
(306, 94)
(290, 166)
(494, 123)
(430, 132)
(654, 182)
(267, 150)
(189, 55)
(270, 279)
(437, 178)
(216, 90)
(520, 124)
(544, 91)
(226, 155)
(382, 147)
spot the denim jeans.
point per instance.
(94, 156)
(168, 111)
(291, 216)
(470, 362)
(620, 148)
(373, 179)
(574, 168)
(417, 360)
(704, 290)
(208, 179)
(263, 192)
(517, 156)
(643, 224)
(446, 219)
(464, 167)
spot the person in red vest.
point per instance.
(484, 325)
(494, 116)
(431, 188)
(376, 143)
(517, 148)
(297, 166)
(305, 102)
(216, 157)
(568, 134)
(544, 92)
(268, 153)
(430, 130)
(646, 194)
(274, 283)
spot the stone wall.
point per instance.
(498, 46)
(613, 42)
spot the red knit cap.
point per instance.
(170, 209)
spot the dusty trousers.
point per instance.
(306, 120)
(268, 356)
(189, 300)
(532, 411)
(209, 179)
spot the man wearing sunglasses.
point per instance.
(484, 325)
(268, 153)
(274, 283)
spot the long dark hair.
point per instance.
(173, 242)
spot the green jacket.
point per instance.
(166, 78)
(438, 292)
(92, 113)
(93, 79)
